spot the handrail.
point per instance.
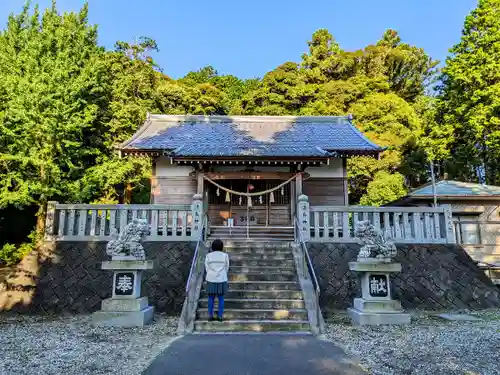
(495, 222)
(192, 284)
(304, 249)
(309, 266)
(196, 254)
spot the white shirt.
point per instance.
(216, 265)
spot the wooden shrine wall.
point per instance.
(173, 190)
(325, 191)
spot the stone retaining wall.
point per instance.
(432, 277)
(68, 278)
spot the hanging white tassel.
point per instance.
(228, 197)
(282, 191)
(217, 192)
(240, 201)
(271, 197)
(260, 199)
(206, 194)
(249, 201)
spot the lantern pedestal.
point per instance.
(126, 307)
(376, 305)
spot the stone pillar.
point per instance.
(448, 220)
(126, 307)
(50, 219)
(303, 217)
(197, 215)
(376, 305)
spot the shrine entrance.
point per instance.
(251, 200)
(232, 210)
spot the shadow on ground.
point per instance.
(252, 355)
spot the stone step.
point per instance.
(252, 325)
(261, 294)
(235, 314)
(252, 232)
(255, 304)
(267, 270)
(252, 243)
(253, 235)
(287, 253)
(226, 239)
(284, 263)
(259, 276)
(278, 256)
(264, 285)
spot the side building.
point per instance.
(475, 214)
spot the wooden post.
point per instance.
(153, 183)
(346, 186)
(304, 217)
(200, 180)
(298, 185)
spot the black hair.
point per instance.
(217, 245)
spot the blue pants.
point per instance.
(211, 301)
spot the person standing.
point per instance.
(216, 267)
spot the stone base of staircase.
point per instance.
(252, 325)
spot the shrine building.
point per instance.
(274, 159)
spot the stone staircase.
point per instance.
(256, 233)
(264, 291)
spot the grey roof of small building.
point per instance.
(447, 188)
(250, 136)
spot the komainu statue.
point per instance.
(374, 244)
(128, 242)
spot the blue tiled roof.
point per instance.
(253, 136)
(456, 188)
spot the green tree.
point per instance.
(384, 188)
(52, 92)
(383, 85)
(227, 90)
(470, 104)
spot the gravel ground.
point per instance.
(428, 346)
(71, 346)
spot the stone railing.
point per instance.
(97, 222)
(402, 224)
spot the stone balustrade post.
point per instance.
(448, 220)
(197, 215)
(303, 217)
(50, 219)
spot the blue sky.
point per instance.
(249, 38)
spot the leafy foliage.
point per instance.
(11, 254)
(384, 188)
(383, 85)
(469, 105)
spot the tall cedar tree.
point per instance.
(52, 92)
(470, 103)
